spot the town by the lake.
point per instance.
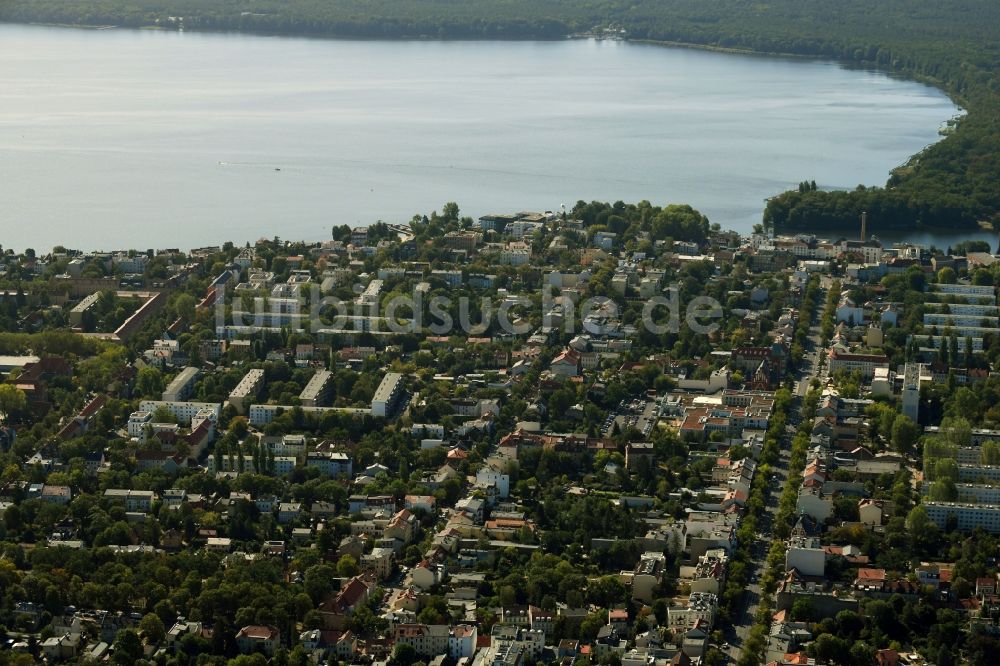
(499, 333)
(610, 434)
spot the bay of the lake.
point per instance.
(150, 139)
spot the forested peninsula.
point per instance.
(952, 44)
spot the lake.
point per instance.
(149, 139)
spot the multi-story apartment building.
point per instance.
(387, 395)
(317, 391)
(247, 390)
(330, 463)
(700, 607)
(132, 500)
(964, 516)
(181, 387)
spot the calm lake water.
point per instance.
(120, 138)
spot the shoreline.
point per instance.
(727, 49)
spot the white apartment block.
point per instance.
(266, 319)
(979, 435)
(245, 258)
(184, 412)
(813, 503)
(370, 296)
(261, 415)
(953, 320)
(247, 390)
(709, 574)
(137, 422)
(806, 556)
(230, 464)
(317, 391)
(966, 517)
(978, 473)
(285, 445)
(76, 314)
(433, 430)
(515, 256)
(962, 331)
(982, 293)
(462, 641)
(133, 500)
(451, 278)
(647, 575)
(487, 476)
(330, 463)
(914, 376)
(387, 394)
(530, 642)
(939, 341)
(230, 332)
(181, 387)
(129, 264)
(968, 309)
(520, 229)
(974, 493)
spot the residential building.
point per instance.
(50, 493)
(805, 555)
(331, 463)
(61, 648)
(963, 516)
(700, 607)
(247, 390)
(863, 361)
(427, 640)
(317, 391)
(181, 387)
(566, 364)
(913, 378)
(814, 503)
(379, 561)
(872, 512)
(648, 575)
(184, 412)
(387, 395)
(258, 638)
(133, 500)
(462, 641)
(79, 311)
(289, 512)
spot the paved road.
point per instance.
(810, 368)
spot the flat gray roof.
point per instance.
(387, 386)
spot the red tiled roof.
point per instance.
(350, 595)
(258, 632)
(93, 406)
(871, 574)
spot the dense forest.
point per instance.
(950, 43)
